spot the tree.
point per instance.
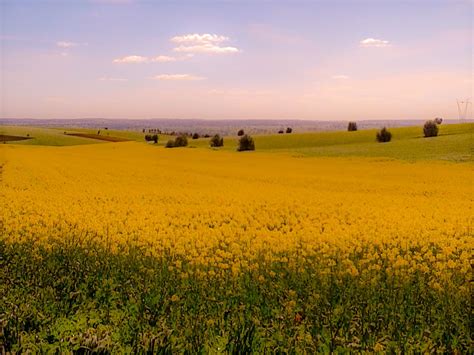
(384, 136)
(438, 120)
(352, 126)
(280, 131)
(240, 132)
(195, 135)
(170, 144)
(181, 141)
(246, 143)
(217, 141)
(430, 129)
(289, 130)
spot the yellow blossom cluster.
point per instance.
(218, 212)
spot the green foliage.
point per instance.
(240, 132)
(151, 138)
(89, 300)
(289, 130)
(181, 141)
(352, 126)
(384, 135)
(195, 136)
(216, 141)
(430, 129)
(246, 143)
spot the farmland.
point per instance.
(316, 242)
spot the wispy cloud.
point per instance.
(203, 43)
(132, 59)
(164, 59)
(179, 77)
(138, 59)
(66, 44)
(373, 42)
(340, 77)
(105, 78)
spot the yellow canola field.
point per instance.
(217, 212)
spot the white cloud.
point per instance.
(132, 59)
(202, 43)
(105, 78)
(199, 39)
(340, 77)
(181, 77)
(206, 48)
(66, 44)
(372, 42)
(164, 59)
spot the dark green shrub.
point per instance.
(430, 129)
(240, 132)
(151, 138)
(438, 120)
(170, 144)
(181, 141)
(384, 136)
(246, 143)
(217, 141)
(195, 135)
(281, 131)
(289, 130)
(352, 126)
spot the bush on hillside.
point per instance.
(217, 141)
(246, 143)
(438, 120)
(240, 132)
(151, 138)
(352, 126)
(289, 130)
(195, 135)
(384, 135)
(430, 129)
(281, 131)
(170, 144)
(181, 141)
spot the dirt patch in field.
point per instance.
(7, 138)
(99, 137)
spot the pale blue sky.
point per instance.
(235, 59)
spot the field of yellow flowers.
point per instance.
(132, 248)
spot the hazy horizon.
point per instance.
(230, 60)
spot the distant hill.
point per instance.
(225, 127)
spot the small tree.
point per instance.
(246, 143)
(170, 144)
(384, 136)
(217, 141)
(289, 130)
(181, 141)
(438, 120)
(154, 138)
(352, 126)
(195, 135)
(281, 131)
(240, 132)
(430, 129)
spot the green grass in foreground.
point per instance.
(89, 300)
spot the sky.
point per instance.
(230, 59)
